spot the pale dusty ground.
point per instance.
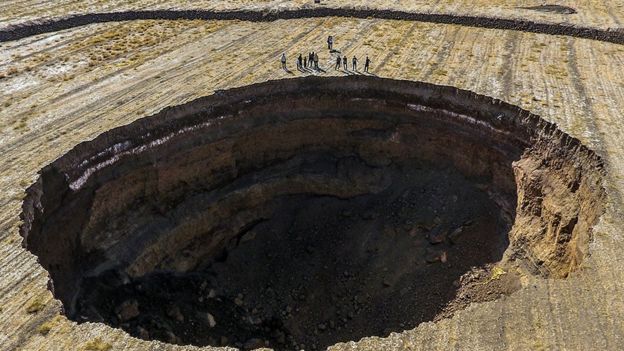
(66, 87)
(591, 13)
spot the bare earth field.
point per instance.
(62, 88)
(590, 13)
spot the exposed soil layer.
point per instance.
(56, 24)
(310, 211)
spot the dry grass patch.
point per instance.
(46, 327)
(36, 305)
(97, 344)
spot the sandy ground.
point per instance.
(59, 89)
(591, 13)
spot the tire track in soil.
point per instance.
(24, 30)
(439, 57)
(598, 143)
(508, 63)
(400, 44)
(11, 146)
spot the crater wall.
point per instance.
(177, 191)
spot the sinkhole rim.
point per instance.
(74, 171)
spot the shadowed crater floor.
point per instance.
(299, 213)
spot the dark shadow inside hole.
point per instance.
(320, 269)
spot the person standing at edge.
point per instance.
(316, 61)
(284, 61)
(338, 61)
(330, 42)
(355, 60)
(300, 62)
(305, 62)
(344, 63)
(367, 64)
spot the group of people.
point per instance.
(312, 60)
(354, 63)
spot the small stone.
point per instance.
(175, 313)
(413, 231)
(224, 340)
(455, 235)
(386, 283)
(436, 237)
(254, 320)
(143, 333)
(171, 337)
(433, 256)
(280, 337)
(203, 285)
(211, 320)
(248, 236)
(253, 344)
(322, 326)
(128, 309)
(239, 300)
(212, 293)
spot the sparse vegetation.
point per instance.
(497, 272)
(36, 305)
(97, 344)
(46, 327)
(556, 71)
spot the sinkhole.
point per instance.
(295, 214)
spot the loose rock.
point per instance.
(128, 309)
(253, 344)
(455, 235)
(211, 320)
(175, 313)
(433, 256)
